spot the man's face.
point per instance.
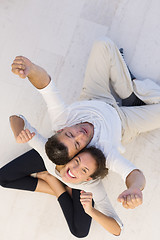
(76, 137)
(79, 169)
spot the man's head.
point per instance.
(68, 141)
(89, 164)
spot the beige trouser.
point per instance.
(106, 66)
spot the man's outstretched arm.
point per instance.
(23, 67)
(133, 197)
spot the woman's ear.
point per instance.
(89, 178)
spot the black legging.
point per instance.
(78, 221)
(16, 174)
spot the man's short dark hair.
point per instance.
(101, 170)
(56, 151)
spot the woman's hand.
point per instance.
(86, 201)
(105, 221)
(17, 126)
(24, 136)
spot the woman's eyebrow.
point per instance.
(80, 161)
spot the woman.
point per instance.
(80, 172)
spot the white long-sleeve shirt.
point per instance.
(106, 122)
(100, 197)
(107, 137)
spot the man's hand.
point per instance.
(21, 66)
(24, 136)
(131, 198)
(86, 201)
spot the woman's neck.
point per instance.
(59, 167)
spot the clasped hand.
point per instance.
(24, 136)
(21, 66)
(86, 201)
(131, 198)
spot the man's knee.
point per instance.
(103, 42)
(104, 45)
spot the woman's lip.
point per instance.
(69, 174)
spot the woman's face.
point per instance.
(79, 169)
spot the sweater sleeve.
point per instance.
(38, 143)
(55, 104)
(117, 163)
(102, 202)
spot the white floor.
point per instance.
(58, 35)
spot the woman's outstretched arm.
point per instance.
(17, 126)
(107, 222)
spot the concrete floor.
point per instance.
(58, 35)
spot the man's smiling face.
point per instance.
(76, 137)
(79, 169)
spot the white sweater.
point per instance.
(107, 137)
(100, 197)
(106, 122)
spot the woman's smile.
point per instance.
(70, 174)
(78, 169)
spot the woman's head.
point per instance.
(89, 164)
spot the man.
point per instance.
(97, 120)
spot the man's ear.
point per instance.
(59, 131)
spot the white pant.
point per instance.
(106, 66)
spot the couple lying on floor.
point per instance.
(64, 166)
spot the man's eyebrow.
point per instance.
(70, 137)
(66, 135)
(80, 161)
(76, 146)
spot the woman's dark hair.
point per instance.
(56, 151)
(101, 170)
